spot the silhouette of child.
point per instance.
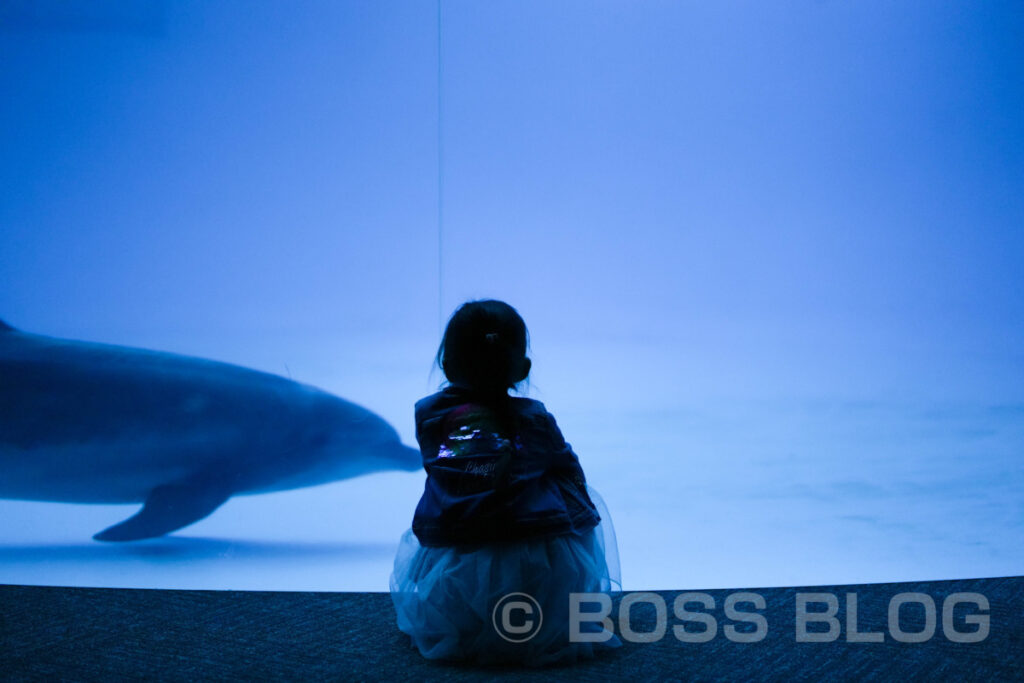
(506, 528)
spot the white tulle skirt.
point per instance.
(454, 602)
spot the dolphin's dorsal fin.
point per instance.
(169, 508)
(4, 327)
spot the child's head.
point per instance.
(484, 347)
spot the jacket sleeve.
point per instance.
(564, 456)
(427, 428)
(568, 472)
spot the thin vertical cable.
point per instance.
(440, 184)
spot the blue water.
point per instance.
(709, 492)
(769, 256)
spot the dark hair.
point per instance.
(484, 347)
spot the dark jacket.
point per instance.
(498, 470)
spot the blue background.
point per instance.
(769, 255)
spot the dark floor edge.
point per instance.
(84, 634)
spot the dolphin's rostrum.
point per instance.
(83, 422)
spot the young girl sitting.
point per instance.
(506, 528)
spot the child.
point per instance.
(505, 510)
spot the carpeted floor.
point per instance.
(84, 634)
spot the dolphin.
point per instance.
(83, 422)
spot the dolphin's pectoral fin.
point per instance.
(169, 508)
